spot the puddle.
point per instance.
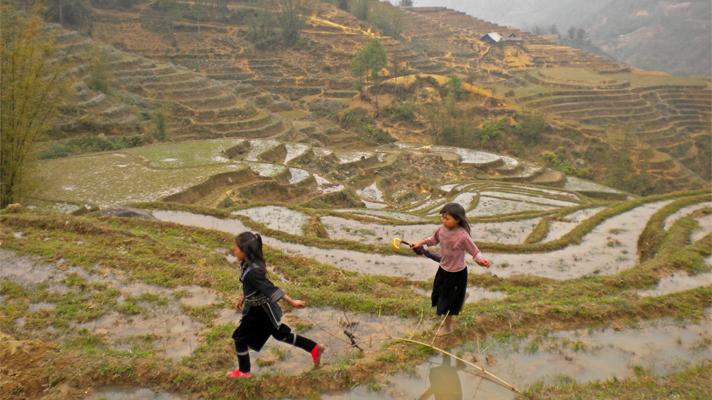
(530, 189)
(326, 326)
(510, 163)
(463, 199)
(704, 229)
(326, 186)
(582, 185)
(294, 150)
(259, 146)
(348, 157)
(373, 205)
(41, 306)
(510, 232)
(427, 205)
(385, 214)
(267, 170)
(677, 282)
(609, 248)
(418, 268)
(197, 296)
(31, 271)
(557, 229)
(582, 355)
(98, 181)
(684, 211)
(372, 193)
(529, 198)
(278, 218)
(494, 206)
(468, 156)
(174, 334)
(474, 294)
(123, 393)
(297, 175)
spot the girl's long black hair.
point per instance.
(251, 244)
(458, 212)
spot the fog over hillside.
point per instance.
(671, 36)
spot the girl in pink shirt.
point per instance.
(450, 285)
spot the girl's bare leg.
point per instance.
(447, 328)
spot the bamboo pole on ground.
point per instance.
(492, 377)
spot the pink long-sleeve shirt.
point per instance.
(453, 245)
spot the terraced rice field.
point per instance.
(566, 269)
(147, 306)
(592, 292)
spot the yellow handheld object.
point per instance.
(396, 242)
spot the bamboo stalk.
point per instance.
(494, 378)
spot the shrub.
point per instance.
(530, 128)
(262, 32)
(560, 163)
(492, 130)
(98, 72)
(358, 120)
(401, 111)
(455, 87)
(87, 144)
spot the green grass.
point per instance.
(171, 255)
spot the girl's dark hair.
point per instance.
(458, 212)
(251, 244)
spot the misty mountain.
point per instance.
(671, 36)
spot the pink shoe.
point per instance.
(237, 374)
(316, 353)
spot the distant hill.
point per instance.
(670, 36)
(525, 14)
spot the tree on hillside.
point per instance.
(290, 18)
(387, 20)
(344, 5)
(30, 89)
(369, 61)
(406, 3)
(554, 30)
(572, 33)
(73, 13)
(263, 33)
(580, 35)
(360, 9)
(269, 29)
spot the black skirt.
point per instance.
(256, 328)
(449, 289)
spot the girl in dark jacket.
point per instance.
(261, 315)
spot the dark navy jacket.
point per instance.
(260, 292)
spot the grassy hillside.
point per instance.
(516, 98)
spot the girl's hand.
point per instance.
(483, 262)
(417, 244)
(297, 303)
(239, 303)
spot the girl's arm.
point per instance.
(258, 279)
(293, 302)
(274, 293)
(431, 241)
(475, 252)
